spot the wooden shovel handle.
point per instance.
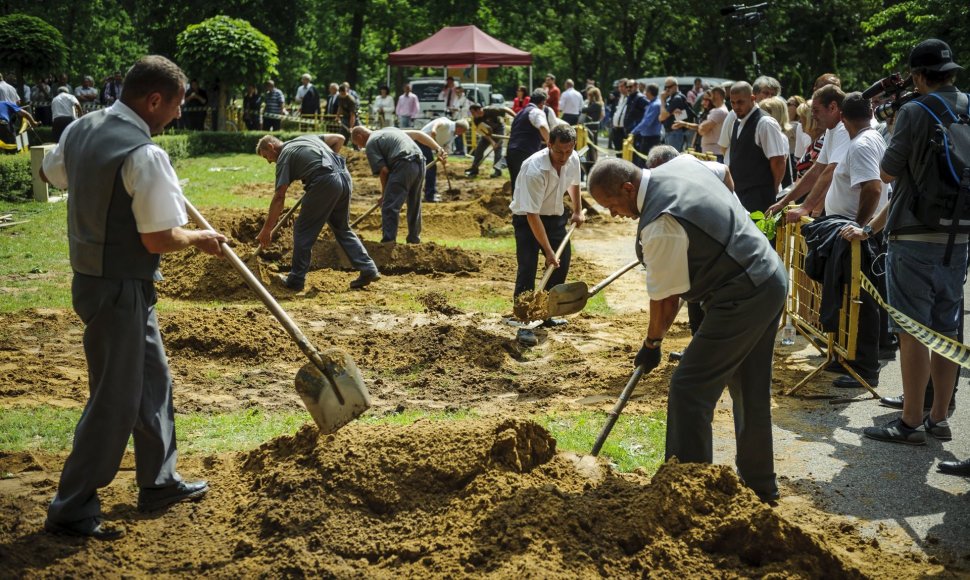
(365, 214)
(283, 219)
(611, 278)
(562, 246)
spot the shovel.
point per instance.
(613, 415)
(330, 384)
(571, 298)
(365, 214)
(532, 306)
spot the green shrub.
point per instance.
(209, 142)
(15, 179)
(177, 146)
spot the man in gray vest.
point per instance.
(326, 200)
(698, 244)
(394, 156)
(757, 152)
(125, 208)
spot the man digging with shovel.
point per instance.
(697, 243)
(539, 216)
(328, 186)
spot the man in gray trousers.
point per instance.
(394, 156)
(698, 244)
(327, 187)
(125, 208)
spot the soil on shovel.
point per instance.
(480, 497)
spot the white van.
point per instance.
(428, 91)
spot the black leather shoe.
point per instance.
(554, 322)
(834, 367)
(364, 279)
(955, 467)
(150, 500)
(897, 403)
(675, 355)
(849, 382)
(287, 283)
(87, 528)
(496, 173)
(526, 337)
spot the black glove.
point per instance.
(648, 358)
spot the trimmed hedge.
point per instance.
(15, 180)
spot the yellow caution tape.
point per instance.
(941, 345)
(605, 150)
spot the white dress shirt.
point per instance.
(539, 188)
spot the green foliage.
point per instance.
(227, 50)
(900, 26)
(177, 146)
(30, 44)
(184, 145)
(15, 179)
(767, 224)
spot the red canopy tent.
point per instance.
(460, 46)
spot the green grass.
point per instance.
(597, 305)
(483, 303)
(503, 245)
(207, 188)
(35, 270)
(636, 440)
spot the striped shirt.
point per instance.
(274, 102)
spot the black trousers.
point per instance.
(617, 135)
(514, 159)
(643, 144)
(527, 251)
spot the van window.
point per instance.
(427, 91)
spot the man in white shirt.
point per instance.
(827, 111)
(117, 228)
(539, 217)
(617, 132)
(443, 131)
(570, 103)
(449, 97)
(65, 108)
(8, 92)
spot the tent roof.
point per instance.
(459, 45)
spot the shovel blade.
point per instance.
(567, 298)
(330, 411)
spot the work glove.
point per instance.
(648, 358)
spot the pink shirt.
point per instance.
(407, 105)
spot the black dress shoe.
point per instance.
(675, 355)
(897, 402)
(849, 382)
(955, 467)
(288, 283)
(364, 279)
(150, 500)
(87, 528)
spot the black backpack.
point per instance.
(944, 203)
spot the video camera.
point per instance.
(745, 15)
(893, 88)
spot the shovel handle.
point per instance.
(611, 278)
(559, 251)
(282, 220)
(617, 409)
(294, 331)
(365, 214)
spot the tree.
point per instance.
(227, 53)
(30, 45)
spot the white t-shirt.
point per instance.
(539, 189)
(835, 145)
(147, 173)
(444, 132)
(861, 164)
(570, 102)
(63, 106)
(767, 135)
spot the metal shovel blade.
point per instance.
(332, 408)
(566, 299)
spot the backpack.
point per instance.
(944, 203)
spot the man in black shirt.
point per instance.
(491, 128)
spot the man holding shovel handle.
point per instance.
(698, 244)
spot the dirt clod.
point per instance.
(438, 302)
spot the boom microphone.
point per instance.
(730, 9)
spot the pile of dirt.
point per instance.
(531, 306)
(396, 258)
(241, 334)
(486, 213)
(480, 496)
(436, 302)
(443, 348)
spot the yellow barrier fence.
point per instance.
(804, 302)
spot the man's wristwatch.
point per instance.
(867, 230)
(652, 342)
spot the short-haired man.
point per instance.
(529, 132)
(394, 156)
(539, 216)
(765, 87)
(326, 200)
(710, 128)
(8, 92)
(274, 107)
(921, 284)
(617, 131)
(571, 103)
(408, 108)
(449, 97)
(490, 124)
(698, 244)
(307, 97)
(332, 103)
(636, 107)
(443, 132)
(646, 134)
(112, 89)
(674, 107)
(87, 93)
(758, 151)
(552, 93)
(65, 109)
(125, 209)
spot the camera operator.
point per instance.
(920, 285)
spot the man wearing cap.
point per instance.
(920, 284)
(65, 108)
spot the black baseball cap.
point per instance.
(933, 54)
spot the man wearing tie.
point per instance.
(448, 96)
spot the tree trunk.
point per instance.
(356, 33)
(221, 111)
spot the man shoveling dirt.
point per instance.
(327, 201)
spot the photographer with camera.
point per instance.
(922, 283)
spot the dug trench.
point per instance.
(484, 495)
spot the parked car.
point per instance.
(429, 89)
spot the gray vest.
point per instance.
(724, 242)
(103, 237)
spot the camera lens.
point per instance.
(884, 112)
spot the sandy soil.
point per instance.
(482, 496)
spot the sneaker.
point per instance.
(526, 337)
(939, 430)
(287, 282)
(896, 431)
(364, 279)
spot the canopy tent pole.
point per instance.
(389, 91)
(530, 79)
(475, 82)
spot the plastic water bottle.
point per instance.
(788, 334)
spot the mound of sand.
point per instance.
(396, 258)
(249, 335)
(438, 302)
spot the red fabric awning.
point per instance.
(459, 45)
